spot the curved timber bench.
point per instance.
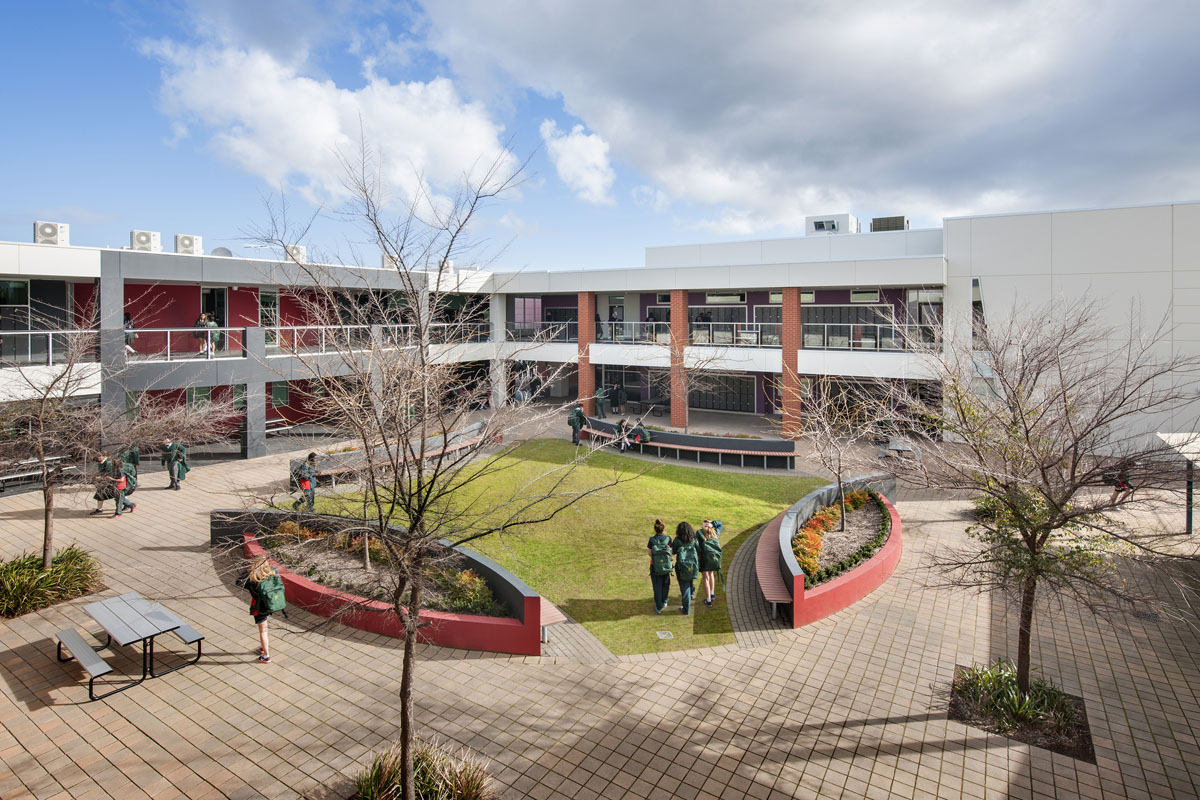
(781, 579)
(772, 453)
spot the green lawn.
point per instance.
(591, 559)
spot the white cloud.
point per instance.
(270, 119)
(650, 197)
(758, 114)
(581, 160)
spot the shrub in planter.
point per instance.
(438, 774)
(24, 587)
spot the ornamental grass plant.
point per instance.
(25, 587)
(438, 774)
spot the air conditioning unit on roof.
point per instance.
(145, 241)
(189, 245)
(51, 233)
(296, 252)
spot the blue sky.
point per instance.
(644, 124)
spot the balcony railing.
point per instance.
(184, 344)
(542, 331)
(292, 340)
(634, 332)
(459, 332)
(737, 334)
(19, 348)
(882, 338)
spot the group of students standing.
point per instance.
(117, 475)
(689, 555)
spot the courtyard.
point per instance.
(852, 706)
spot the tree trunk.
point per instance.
(1025, 633)
(407, 730)
(47, 524)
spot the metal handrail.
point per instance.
(737, 334)
(877, 338)
(633, 332)
(12, 353)
(567, 331)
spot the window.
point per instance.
(864, 295)
(239, 396)
(808, 297)
(724, 298)
(527, 310)
(280, 394)
(198, 395)
(131, 403)
(825, 225)
(14, 293)
(774, 297)
(663, 298)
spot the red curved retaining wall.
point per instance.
(848, 588)
(464, 631)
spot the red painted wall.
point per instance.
(83, 314)
(299, 407)
(243, 307)
(850, 587)
(162, 305)
(464, 631)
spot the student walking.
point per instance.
(685, 546)
(121, 487)
(578, 421)
(174, 458)
(306, 481)
(659, 548)
(266, 597)
(620, 398)
(710, 557)
(201, 332)
(105, 483)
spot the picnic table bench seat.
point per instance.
(87, 657)
(679, 448)
(188, 635)
(550, 616)
(766, 568)
(333, 472)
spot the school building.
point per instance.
(839, 301)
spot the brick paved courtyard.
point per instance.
(850, 707)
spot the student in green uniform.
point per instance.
(601, 399)
(174, 458)
(105, 485)
(121, 487)
(306, 482)
(710, 557)
(687, 562)
(266, 597)
(620, 397)
(578, 421)
(131, 459)
(659, 548)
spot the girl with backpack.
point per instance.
(659, 548)
(685, 546)
(266, 597)
(710, 557)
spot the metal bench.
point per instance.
(550, 616)
(83, 652)
(187, 635)
(766, 568)
(277, 425)
(29, 468)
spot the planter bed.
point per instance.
(519, 634)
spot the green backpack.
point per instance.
(660, 556)
(687, 565)
(269, 596)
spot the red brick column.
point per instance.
(679, 340)
(587, 335)
(792, 340)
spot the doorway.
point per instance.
(213, 300)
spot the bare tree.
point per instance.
(53, 425)
(1037, 417)
(427, 436)
(839, 418)
(691, 368)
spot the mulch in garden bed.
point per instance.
(1076, 742)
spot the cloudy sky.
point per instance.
(642, 123)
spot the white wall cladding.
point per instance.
(49, 261)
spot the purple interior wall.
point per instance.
(560, 301)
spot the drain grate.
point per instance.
(666, 635)
(1151, 616)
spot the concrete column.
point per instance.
(110, 311)
(587, 336)
(499, 376)
(254, 432)
(680, 335)
(792, 340)
(498, 316)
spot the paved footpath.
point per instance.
(850, 707)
